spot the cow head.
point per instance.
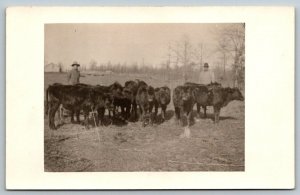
(236, 94)
(116, 89)
(164, 95)
(186, 94)
(127, 93)
(150, 94)
(108, 101)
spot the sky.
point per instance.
(124, 43)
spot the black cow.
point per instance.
(75, 98)
(162, 99)
(222, 96)
(151, 99)
(183, 100)
(202, 95)
(145, 99)
(130, 91)
(112, 90)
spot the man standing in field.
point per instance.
(74, 74)
(206, 76)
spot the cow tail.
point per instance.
(46, 106)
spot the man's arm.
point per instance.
(212, 77)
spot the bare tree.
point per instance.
(93, 64)
(231, 45)
(182, 53)
(60, 67)
(198, 55)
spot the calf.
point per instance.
(145, 99)
(163, 98)
(183, 100)
(75, 98)
(115, 90)
(131, 90)
(152, 99)
(221, 97)
(111, 94)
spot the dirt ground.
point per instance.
(211, 147)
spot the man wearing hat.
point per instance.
(206, 76)
(74, 74)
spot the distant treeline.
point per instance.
(190, 73)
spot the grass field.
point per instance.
(211, 147)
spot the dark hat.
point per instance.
(206, 65)
(75, 64)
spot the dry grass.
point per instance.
(211, 147)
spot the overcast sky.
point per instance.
(119, 43)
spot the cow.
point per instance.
(221, 97)
(145, 99)
(162, 99)
(75, 98)
(130, 91)
(184, 101)
(112, 90)
(152, 99)
(202, 95)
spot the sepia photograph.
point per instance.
(144, 97)
(138, 98)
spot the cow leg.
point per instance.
(111, 114)
(127, 115)
(204, 108)
(78, 116)
(190, 118)
(150, 107)
(50, 117)
(134, 112)
(61, 114)
(53, 108)
(163, 112)
(150, 112)
(101, 112)
(86, 116)
(182, 116)
(177, 113)
(217, 114)
(72, 116)
(123, 113)
(141, 115)
(198, 110)
(144, 115)
(115, 109)
(155, 111)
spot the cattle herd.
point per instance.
(135, 101)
